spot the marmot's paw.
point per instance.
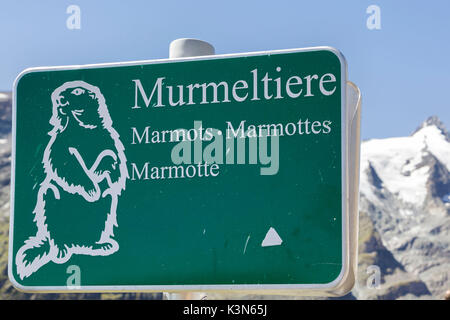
(92, 193)
(62, 252)
(98, 173)
(104, 246)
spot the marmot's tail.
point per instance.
(32, 255)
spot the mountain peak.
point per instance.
(436, 122)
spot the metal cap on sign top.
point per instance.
(185, 47)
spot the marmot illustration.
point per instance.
(85, 168)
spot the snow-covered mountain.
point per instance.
(405, 190)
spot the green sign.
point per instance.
(208, 173)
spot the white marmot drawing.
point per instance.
(85, 172)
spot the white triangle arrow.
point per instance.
(272, 239)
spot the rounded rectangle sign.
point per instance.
(208, 173)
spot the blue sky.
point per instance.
(403, 69)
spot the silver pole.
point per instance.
(181, 48)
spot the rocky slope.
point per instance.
(405, 189)
(395, 281)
